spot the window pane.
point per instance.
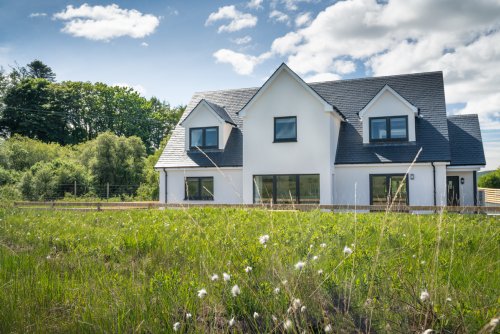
(211, 137)
(196, 137)
(379, 191)
(192, 186)
(378, 128)
(263, 189)
(286, 189)
(398, 127)
(286, 128)
(395, 182)
(309, 189)
(207, 188)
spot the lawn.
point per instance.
(154, 271)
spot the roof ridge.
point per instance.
(462, 115)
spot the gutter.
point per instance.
(434, 180)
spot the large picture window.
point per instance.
(286, 189)
(384, 189)
(199, 188)
(285, 129)
(204, 137)
(389, 128)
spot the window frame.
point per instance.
(203, 137)
(285, 140)
(388, 129)
(275, 186)
(387, 184)
(198, 196)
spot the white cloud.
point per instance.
(255, 4)
(291, 5)
(404, 36)
(242, 40)
(144, 44)
(303, 19)
(138, 88)
(242, 64)
(322, 77)
(238, 20)
(106, 22)
(278, 16)
(37, 15)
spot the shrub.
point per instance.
(490, 180)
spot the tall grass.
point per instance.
(140, 271)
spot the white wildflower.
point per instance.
(177, 326)
(189, 315)
(226, 277)
(48, 257)
(414, 256)
(422, 262)
(288, 325)
(311, 246)
(296, 303)
(424, 295)
(315, 257)
(328, 329)
(232, 322)
(320, 272)
(323, 245)
(263, 239)
(347, 250)
(255, 315)
(235, 290)
(276, 291)
(284, 282)
(303, 309)
(202, 293)
(248, 269)
(274, 318)
(299, 265)
(448, 300)
(214, 277)
(428, 331)
(289, 310)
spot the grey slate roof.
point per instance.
(466, 144)
(221, 112)
(423, 90)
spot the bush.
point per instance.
(490, 180)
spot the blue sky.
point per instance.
(171, 49)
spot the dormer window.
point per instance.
(204, 138)
(393, 128)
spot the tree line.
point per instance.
(34, 105)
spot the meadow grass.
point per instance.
(141, 271)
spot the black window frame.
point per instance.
(388, 129)
(297, 187)
(387, 184)
(198, 196)
(204, 137)
(285, 140)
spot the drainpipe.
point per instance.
(166, 191)
(434, 180)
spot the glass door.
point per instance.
(384, 189)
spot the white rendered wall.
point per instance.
(227, 185)
(466, 189)
(311, 154)
(388, 105)
(421, 191)
(203, 117)
(162, 186)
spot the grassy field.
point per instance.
(145, 271)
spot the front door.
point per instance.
(453, 188)
(384, 189)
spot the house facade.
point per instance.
(334, 142)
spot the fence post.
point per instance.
(75, 188)
(107, 190)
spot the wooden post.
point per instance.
(75, 188)
(107, 190)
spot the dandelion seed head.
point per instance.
(226, 277)
(263, 239)
(328, 328)
(248, 269)
(202, 293)
(299, 265)
(235, 291)
(424, 295)
(347, 250)
(177, 326)
(214, 277)
(256, 315)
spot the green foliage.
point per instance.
(490, 180)
(52, 180)
(150, 189)
(140, 271)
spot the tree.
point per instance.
(490, 180)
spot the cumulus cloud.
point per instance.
(318, 77)
(37, 15)
(303, 19)
(144, 44)
(402, 36)
(255, 4)
(242, 63)
(278, 16)
(242, 40)
(237, 19)
(290, 5)
(106, 22)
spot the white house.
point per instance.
(335, 142)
